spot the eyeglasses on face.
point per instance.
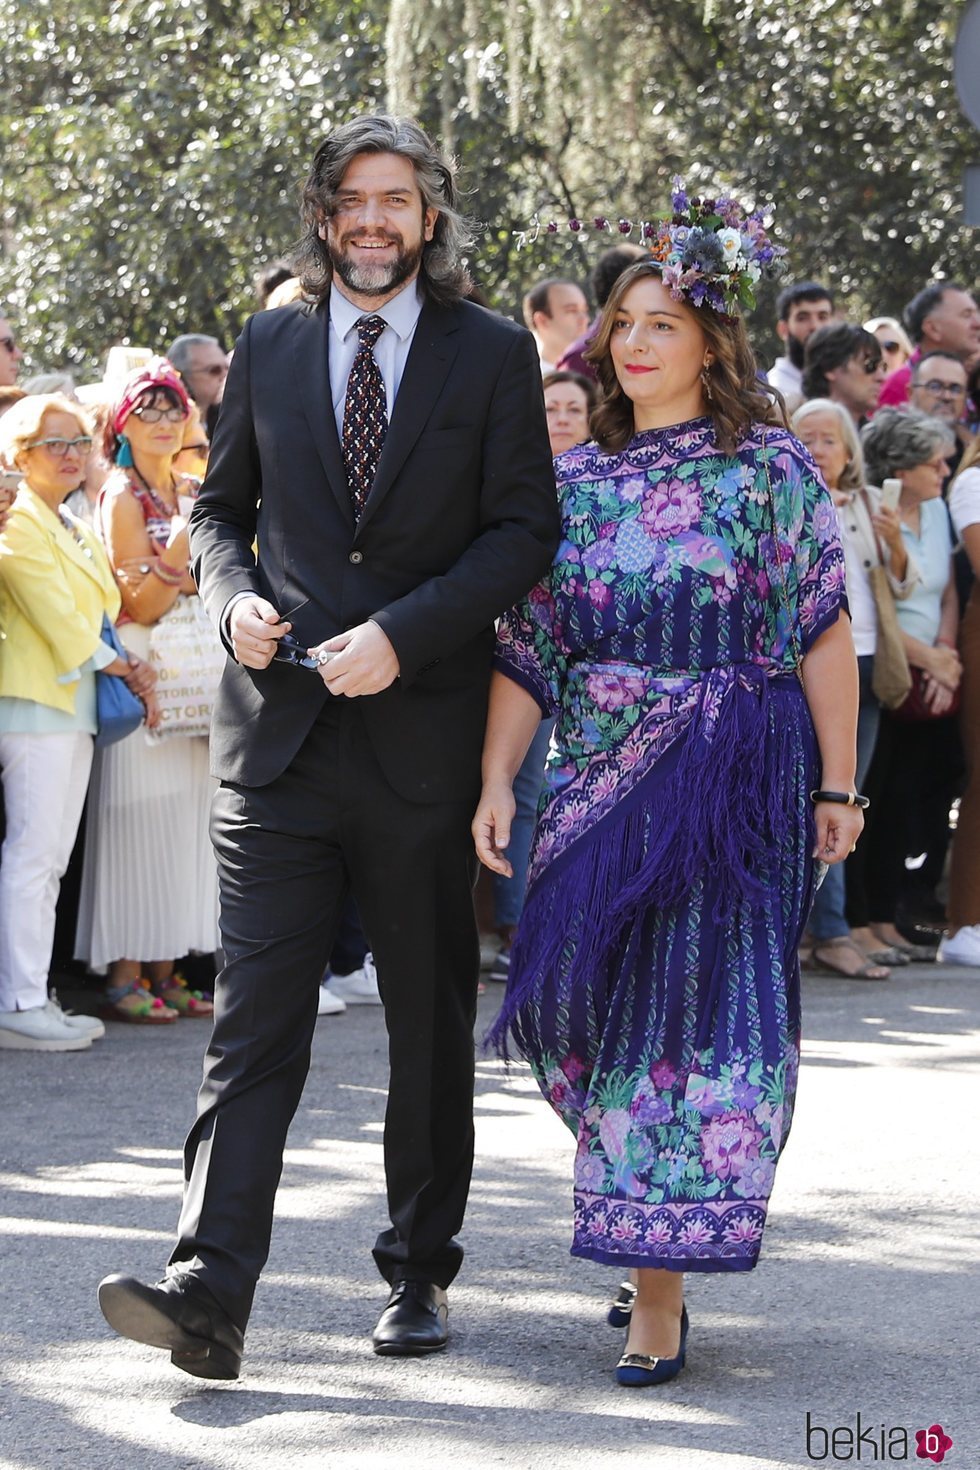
(8, 342)
(945, 390)
(871, 365)
(213, 370)
(60, 448)
(154, 415)
(890, 346)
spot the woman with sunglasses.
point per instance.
(149, 882)
(896, 348)
(56, 587)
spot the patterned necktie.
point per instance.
(365, 414)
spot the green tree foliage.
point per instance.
(151, 152)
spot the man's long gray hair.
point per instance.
(442, 274)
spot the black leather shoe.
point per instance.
(179, 1314)
(414, 1321)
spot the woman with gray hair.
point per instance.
(872, 536)
(918, 758)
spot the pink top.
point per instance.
(895, 388)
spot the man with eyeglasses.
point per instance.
(10, 354)
(938, 387)
(203, 365)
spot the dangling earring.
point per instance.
(124, 454)
(706, 381)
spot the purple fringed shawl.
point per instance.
(706, 803)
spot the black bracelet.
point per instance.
(842, 798)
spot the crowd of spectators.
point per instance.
(96, 486)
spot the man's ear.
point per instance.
(429, 222)
(322, 231)
(782, 331)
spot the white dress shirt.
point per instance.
(390, 351)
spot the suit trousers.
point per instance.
(288, 853)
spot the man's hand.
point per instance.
(255, 630)
(363, 662)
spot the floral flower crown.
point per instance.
(711, 251)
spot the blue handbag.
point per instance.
(119, 712)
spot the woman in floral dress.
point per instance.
(689, 640)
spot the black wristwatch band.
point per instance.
(842, 798)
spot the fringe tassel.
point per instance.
(718, 808)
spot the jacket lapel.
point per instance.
(311, 361)
(63, 541)
(429, 360)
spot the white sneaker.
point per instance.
(41, 1028)
(963, 948)
(84, 1025)
(360, 987)
(329, 1004)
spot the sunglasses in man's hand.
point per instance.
(290, 651)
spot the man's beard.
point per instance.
(376, 280)
(796, 351)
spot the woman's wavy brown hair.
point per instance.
(738, 396)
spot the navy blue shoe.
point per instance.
(621, 1306)
(638, 1370)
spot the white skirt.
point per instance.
(149, 879)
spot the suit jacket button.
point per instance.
(355, 558)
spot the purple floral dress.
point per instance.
(654, 982)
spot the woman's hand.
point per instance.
(491, 826)
(888, 524)
(944, 666)
(937, 696)
(141, 677)
(838, 829)
(153, 716)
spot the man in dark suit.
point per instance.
(387, 449)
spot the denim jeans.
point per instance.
(508, 893)
(827, 921)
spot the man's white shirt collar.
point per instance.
(401, 313)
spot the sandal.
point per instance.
(915, 954)
(866, 971)
(186, 1002)
(888, 955)
(134, 1004)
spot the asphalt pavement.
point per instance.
(862, 1314)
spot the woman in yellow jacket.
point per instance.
(55, 587)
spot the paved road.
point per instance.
(865, 1301)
